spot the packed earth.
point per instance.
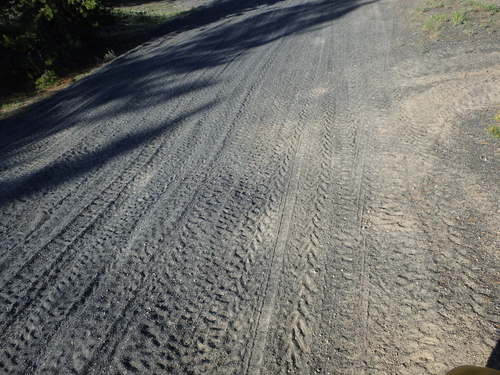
(297, 186)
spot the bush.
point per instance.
(109, 55)
(494, 131)
(38, 36)
(47, 79)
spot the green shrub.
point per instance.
(109, 55)
(458, 18)
(47, 79)
(44, 35)
(494, 131)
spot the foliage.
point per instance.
(494, 131)
(109, 55)
(458, 18)
(448, 17)
(47, 79)
(39, 36)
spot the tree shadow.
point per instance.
(151, 77)
(494, 359)
(50, 176)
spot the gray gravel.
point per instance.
(291, 187)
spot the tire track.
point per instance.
(257, 57)
(202, 341)
(178, 350)
(310, 218)
(99, 176)
(287, 211)
(78, 226)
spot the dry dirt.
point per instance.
(295, 187)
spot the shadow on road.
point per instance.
(494, 360)
(153, 77)
(83, 163)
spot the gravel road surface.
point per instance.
(289, 187)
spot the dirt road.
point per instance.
(292, 187)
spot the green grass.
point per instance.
(458, 18)
(494, 131)
(480, 6)
(435, 22)
(130, 28)
(46, 80)
(141, 17)
(449, 16)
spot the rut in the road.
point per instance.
(268, 198)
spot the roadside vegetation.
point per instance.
(440, 18)
(494, 130)
(47, 44)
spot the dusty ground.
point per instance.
(293, 187)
